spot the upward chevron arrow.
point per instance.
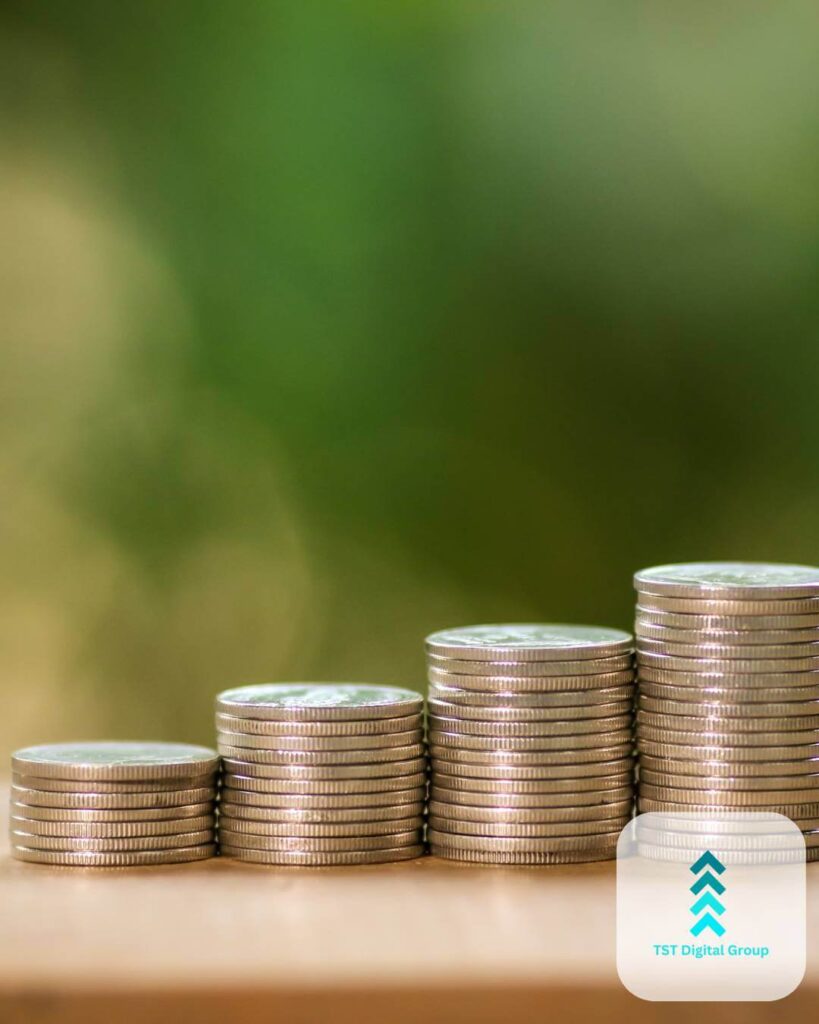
(710, 880)
(707, 860)
(708, 900)
(707, 921)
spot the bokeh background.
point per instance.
(324, 325)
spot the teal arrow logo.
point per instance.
(707, 921)
(707, 904)
(707, 860)
(710, 880)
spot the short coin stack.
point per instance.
(728, 677)
(113, 804)
(530, 742)
(319, 774)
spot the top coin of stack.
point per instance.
(113, 804)
(320, 774)
(728, 676)
(530, 742)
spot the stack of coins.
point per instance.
(319, 774)
(530, 730)
(728, 670)
(113, 804)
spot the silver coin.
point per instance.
(517, 669)
(560, 814)
(602, 840)
(582, 789)
(503, 830)
(790, 710)
(284, 858)
(111, 830)
(712, 816)
(752, 696)
(114, 762)
(767, 833)
(334, 816)
(286, 727)
(126, 814)
(464, 741)
(553, 802)
(525, 718)
(544, 727)
(112, 801)
(718, 606)
(530, 759)
(578, 802)
(500, 772)
(233, 798)
(793, 811)
(519, 797)
(702, 812)
(745, 769)
(729, 782)
(567, 676)
(498, 859)
(131, 844)
(751, 724)
(318, 743)
(348, 786)
(731, 798)
(746, 740)
(533, 814)
(88, 859)
(613, 691)
(797, 681)
(319, 701)
(717, 836)
(729, 822)
(728, 666)
(552, 808)
(731, 638)
(300, 830)
(723, 752)
(545, 692)
(95, 786)
(727, 652)
(322, 757)
(721, 843)
(735, 580)
(540, 758)
(746, 624)
(746, 857)
(376, 770)
(700, 649)
(304, 844)
(528, 642)
(540, 670)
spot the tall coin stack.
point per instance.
(530, 730)
(728, 679)
(113, 804)
(319, 774)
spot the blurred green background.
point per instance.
(324, 325)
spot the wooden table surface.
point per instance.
(427, 940)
